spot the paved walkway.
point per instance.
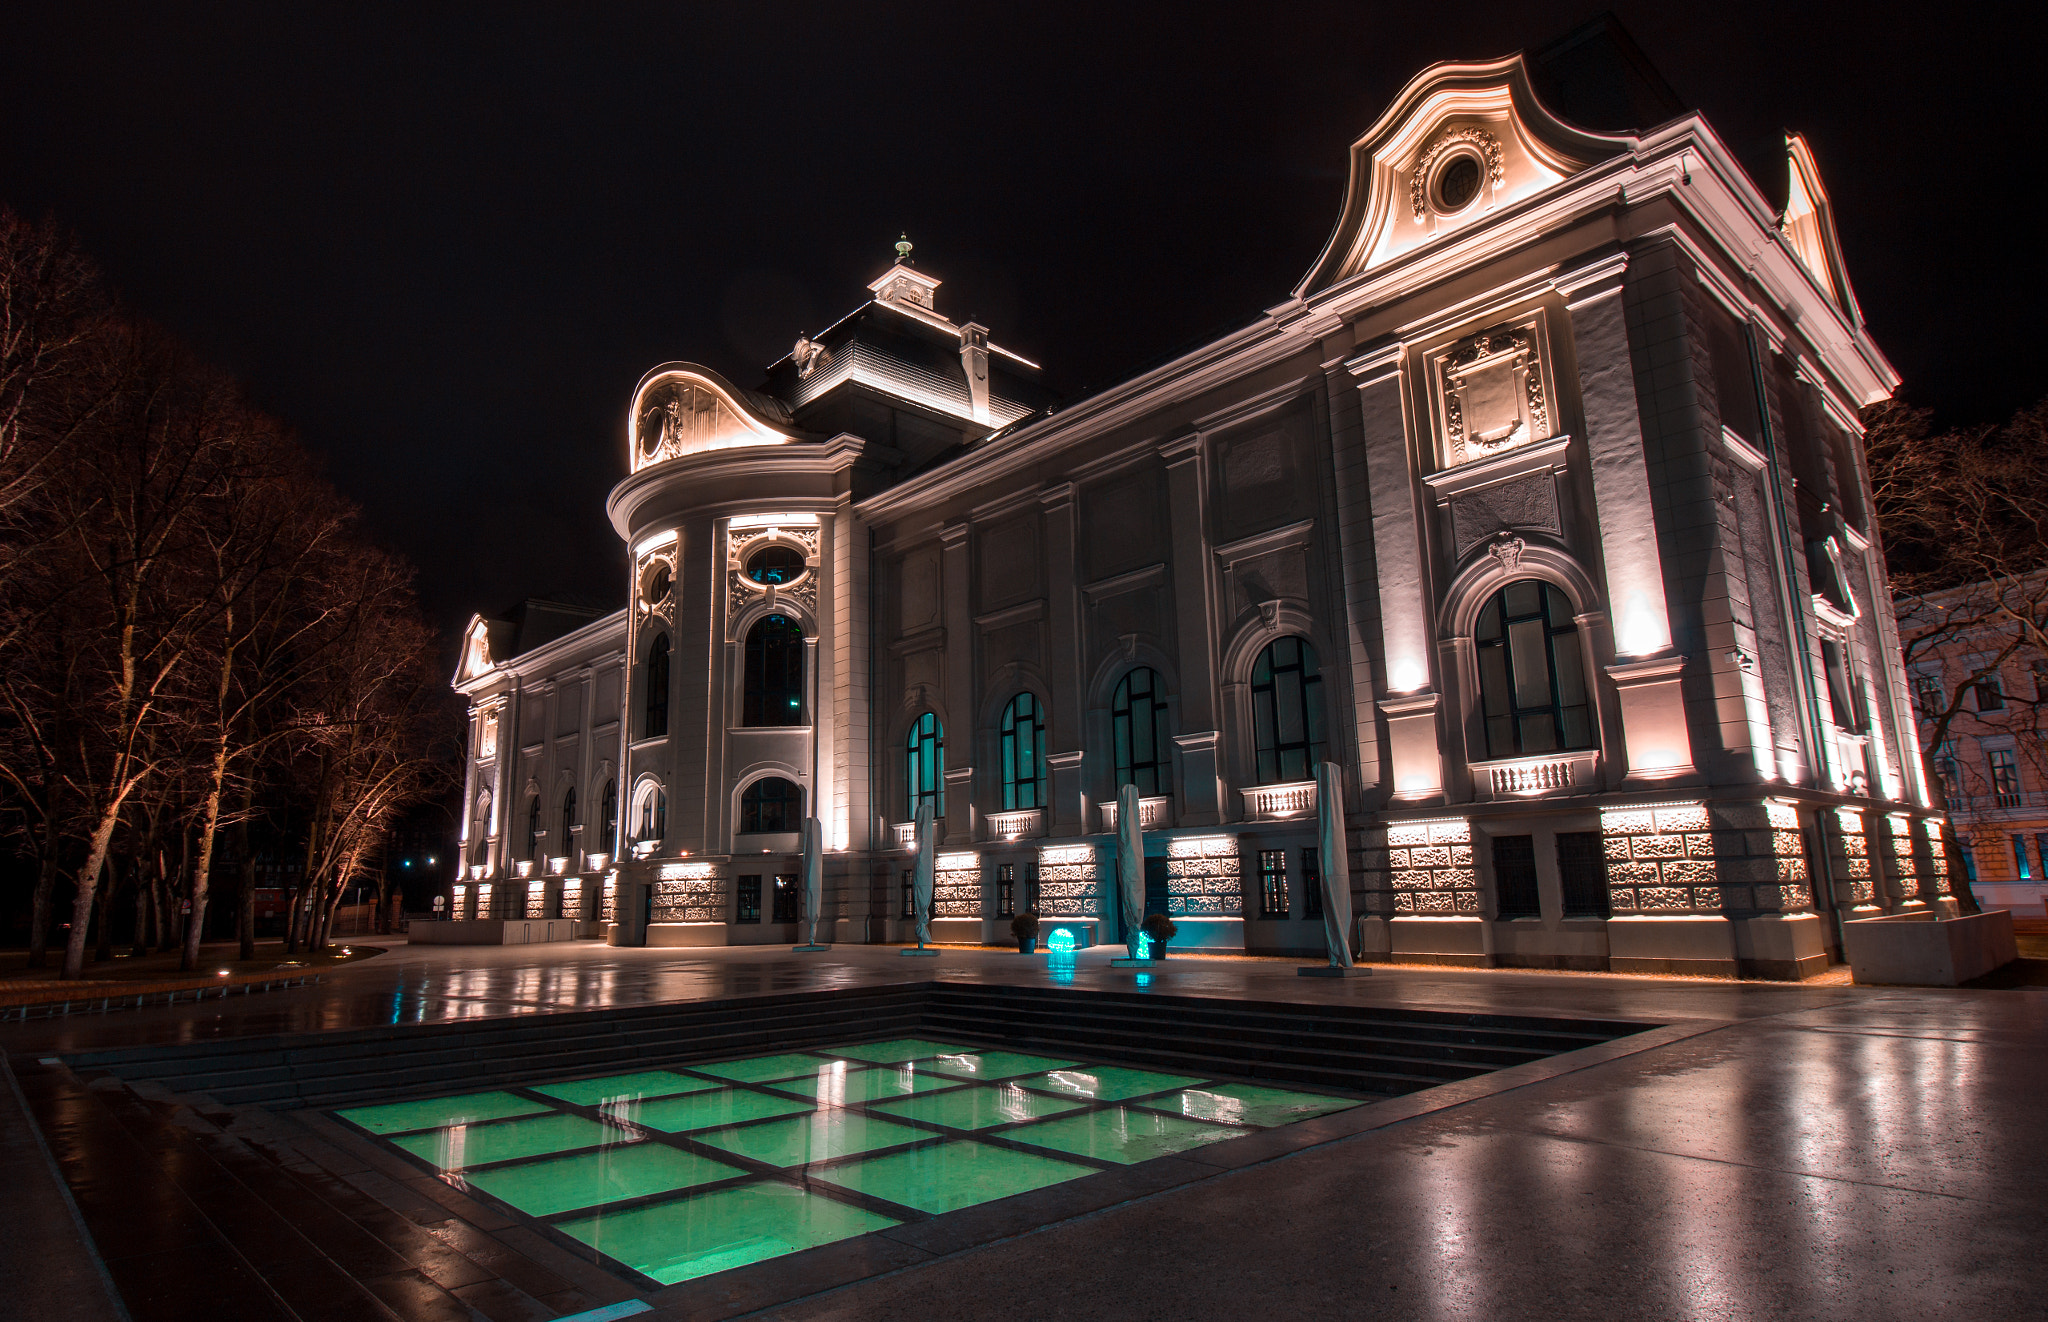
(1795, 1151)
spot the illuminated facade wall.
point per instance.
(1538, 507)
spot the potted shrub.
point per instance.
(1025, 928)
(1159, 930)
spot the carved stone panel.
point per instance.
(1013, 644)
(1278, 575)
(742, 544)
(1260, 473)
(1009, 562)
(1123, 521)
(1140, 613)
(919, 598)
(1492, 393)
(1522, 503)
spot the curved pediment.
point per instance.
(1460, 143)
(681, 408)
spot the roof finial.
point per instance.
(903, 246)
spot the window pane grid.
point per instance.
(747, 893)
(1138, 729)
(1514, 876)
(1272, 883)
(924, 769)
(1287, 712)
(1023, 746)
(1582, 872)
(774, 679)
(1532, 683)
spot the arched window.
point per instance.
(1287, 712)
(532, 827)
(650, 812)
(655, 721)
(1532, 678)
(924, 766)
(610, 813)
(771, 805)
(1138, 728)
(1023, 740)
(563, 845)
(480, 834)
(774, 692)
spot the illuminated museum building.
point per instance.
(1539, 507)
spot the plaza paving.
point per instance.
(1772, 1151)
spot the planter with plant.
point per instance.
(1025, 928)
(1159, 930)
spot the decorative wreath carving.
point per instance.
(741, 543)
(1510, 350)
(1485, 143)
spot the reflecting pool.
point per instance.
(676, 1173)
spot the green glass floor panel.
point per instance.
(762, 1068)
(585, 1179)
(947, 1176)
(1106, 1083)
(1250, 1104)
(976, 1107)
(701, 1110)
(684, 1238)
(995, 1064)
(461, 1146)
(838, 1083)
(440, 1112)
(1121, 1134)
(897, 1049)
(623, 1087)
(822, 1135)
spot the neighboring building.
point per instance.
(1970, 663)
(1539, 507)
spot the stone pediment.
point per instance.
(1460, 143)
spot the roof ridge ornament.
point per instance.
(903, 247)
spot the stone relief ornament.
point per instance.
(1508, 551)
(655, 593)
(743, 590)
(1476, 140)
(487, 737)
(809, 356)
(678, 417)
(1493, 394)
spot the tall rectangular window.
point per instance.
(1969, 858)
(748, 891)
(1928, 695)
(2019, 859)
(1514, 876)
(1006, 890)
(2005, 777)
(1990, 693)
(2041, 847)
(1272, 883)
(1948, 771)
(1312, 882)
(909, 893)
(1582, 873)
(789, 903)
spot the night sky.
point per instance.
(446, 241)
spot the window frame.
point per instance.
(568, 818)
(746, 897)
(755, 801)
(787, 900)
(1020, 739)
(1124, 705)
(1273, 897)
(1270, 754)
(655, 685)
(924, 768)
(1515, 715)
(772, 666)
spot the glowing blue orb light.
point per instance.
(1061, 942)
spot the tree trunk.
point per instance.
(103, 947)
(209, 829)
(88, 891)
(139, 945)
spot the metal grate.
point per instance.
(1514, 876)
(1582, 868)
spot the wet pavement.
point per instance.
(444, 984)
(1778, 1151)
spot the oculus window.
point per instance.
(1532, 677)
(775, 565)
(1287, 712)
(1023, 753)
(1140, 732)
(774, 682)
(771, 805)
(924, 766)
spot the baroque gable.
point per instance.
(1461, 143)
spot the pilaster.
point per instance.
(959, 679)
